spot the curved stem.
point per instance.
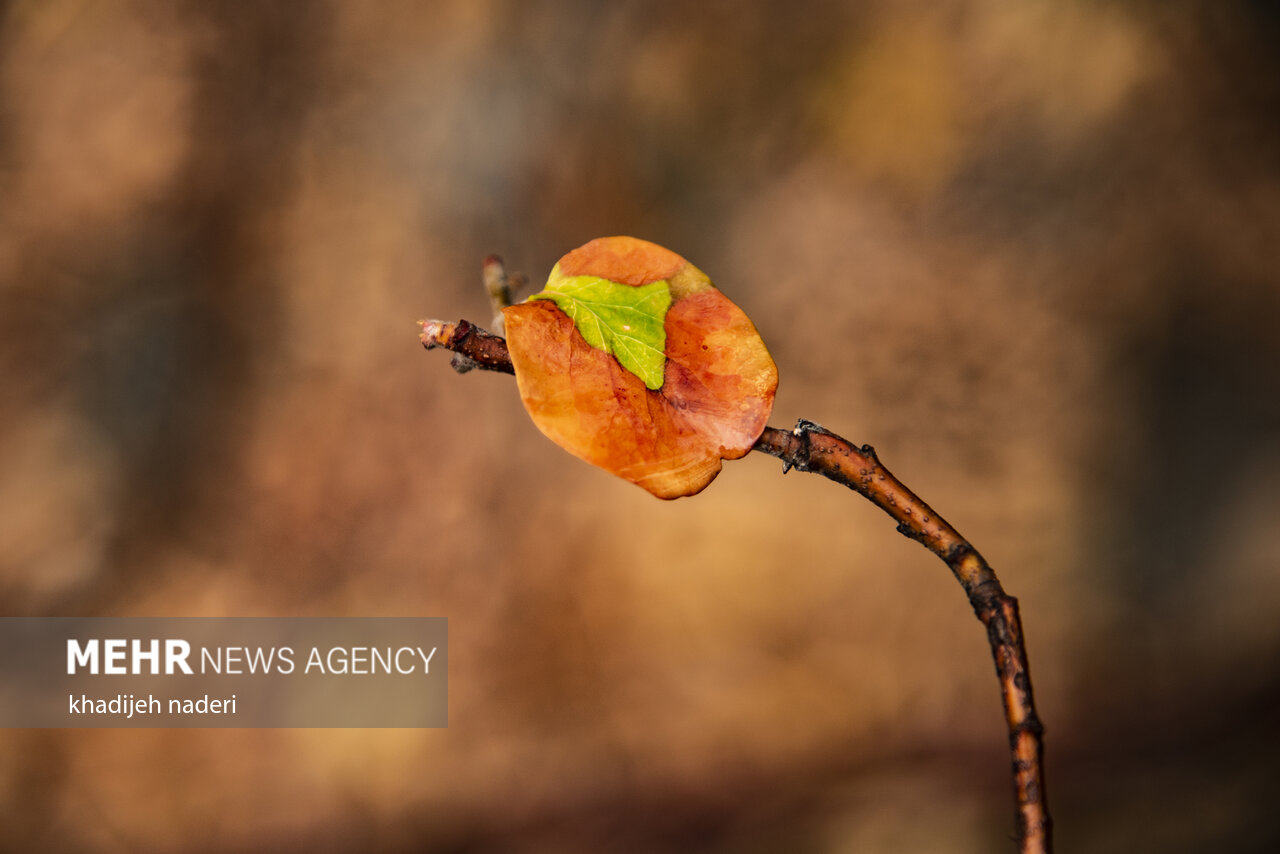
(811, 448)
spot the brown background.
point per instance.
(1026, 249)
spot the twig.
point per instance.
(472, 347)
(498, 287)
(811, 448)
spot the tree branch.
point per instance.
(812, 448)
(472, 347)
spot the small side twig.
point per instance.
(812, 448)
(498, 286)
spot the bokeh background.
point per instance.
(1029, 250)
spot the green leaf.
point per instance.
(624, 320)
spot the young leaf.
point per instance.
(624, 320)
(666, 433)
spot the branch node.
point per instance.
(985, 598)
(804, 426)
(803, 430)
(1031, 725)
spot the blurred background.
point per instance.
(1029, 250)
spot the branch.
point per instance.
(472, 347)
(811, 448)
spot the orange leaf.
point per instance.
(718, 381)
